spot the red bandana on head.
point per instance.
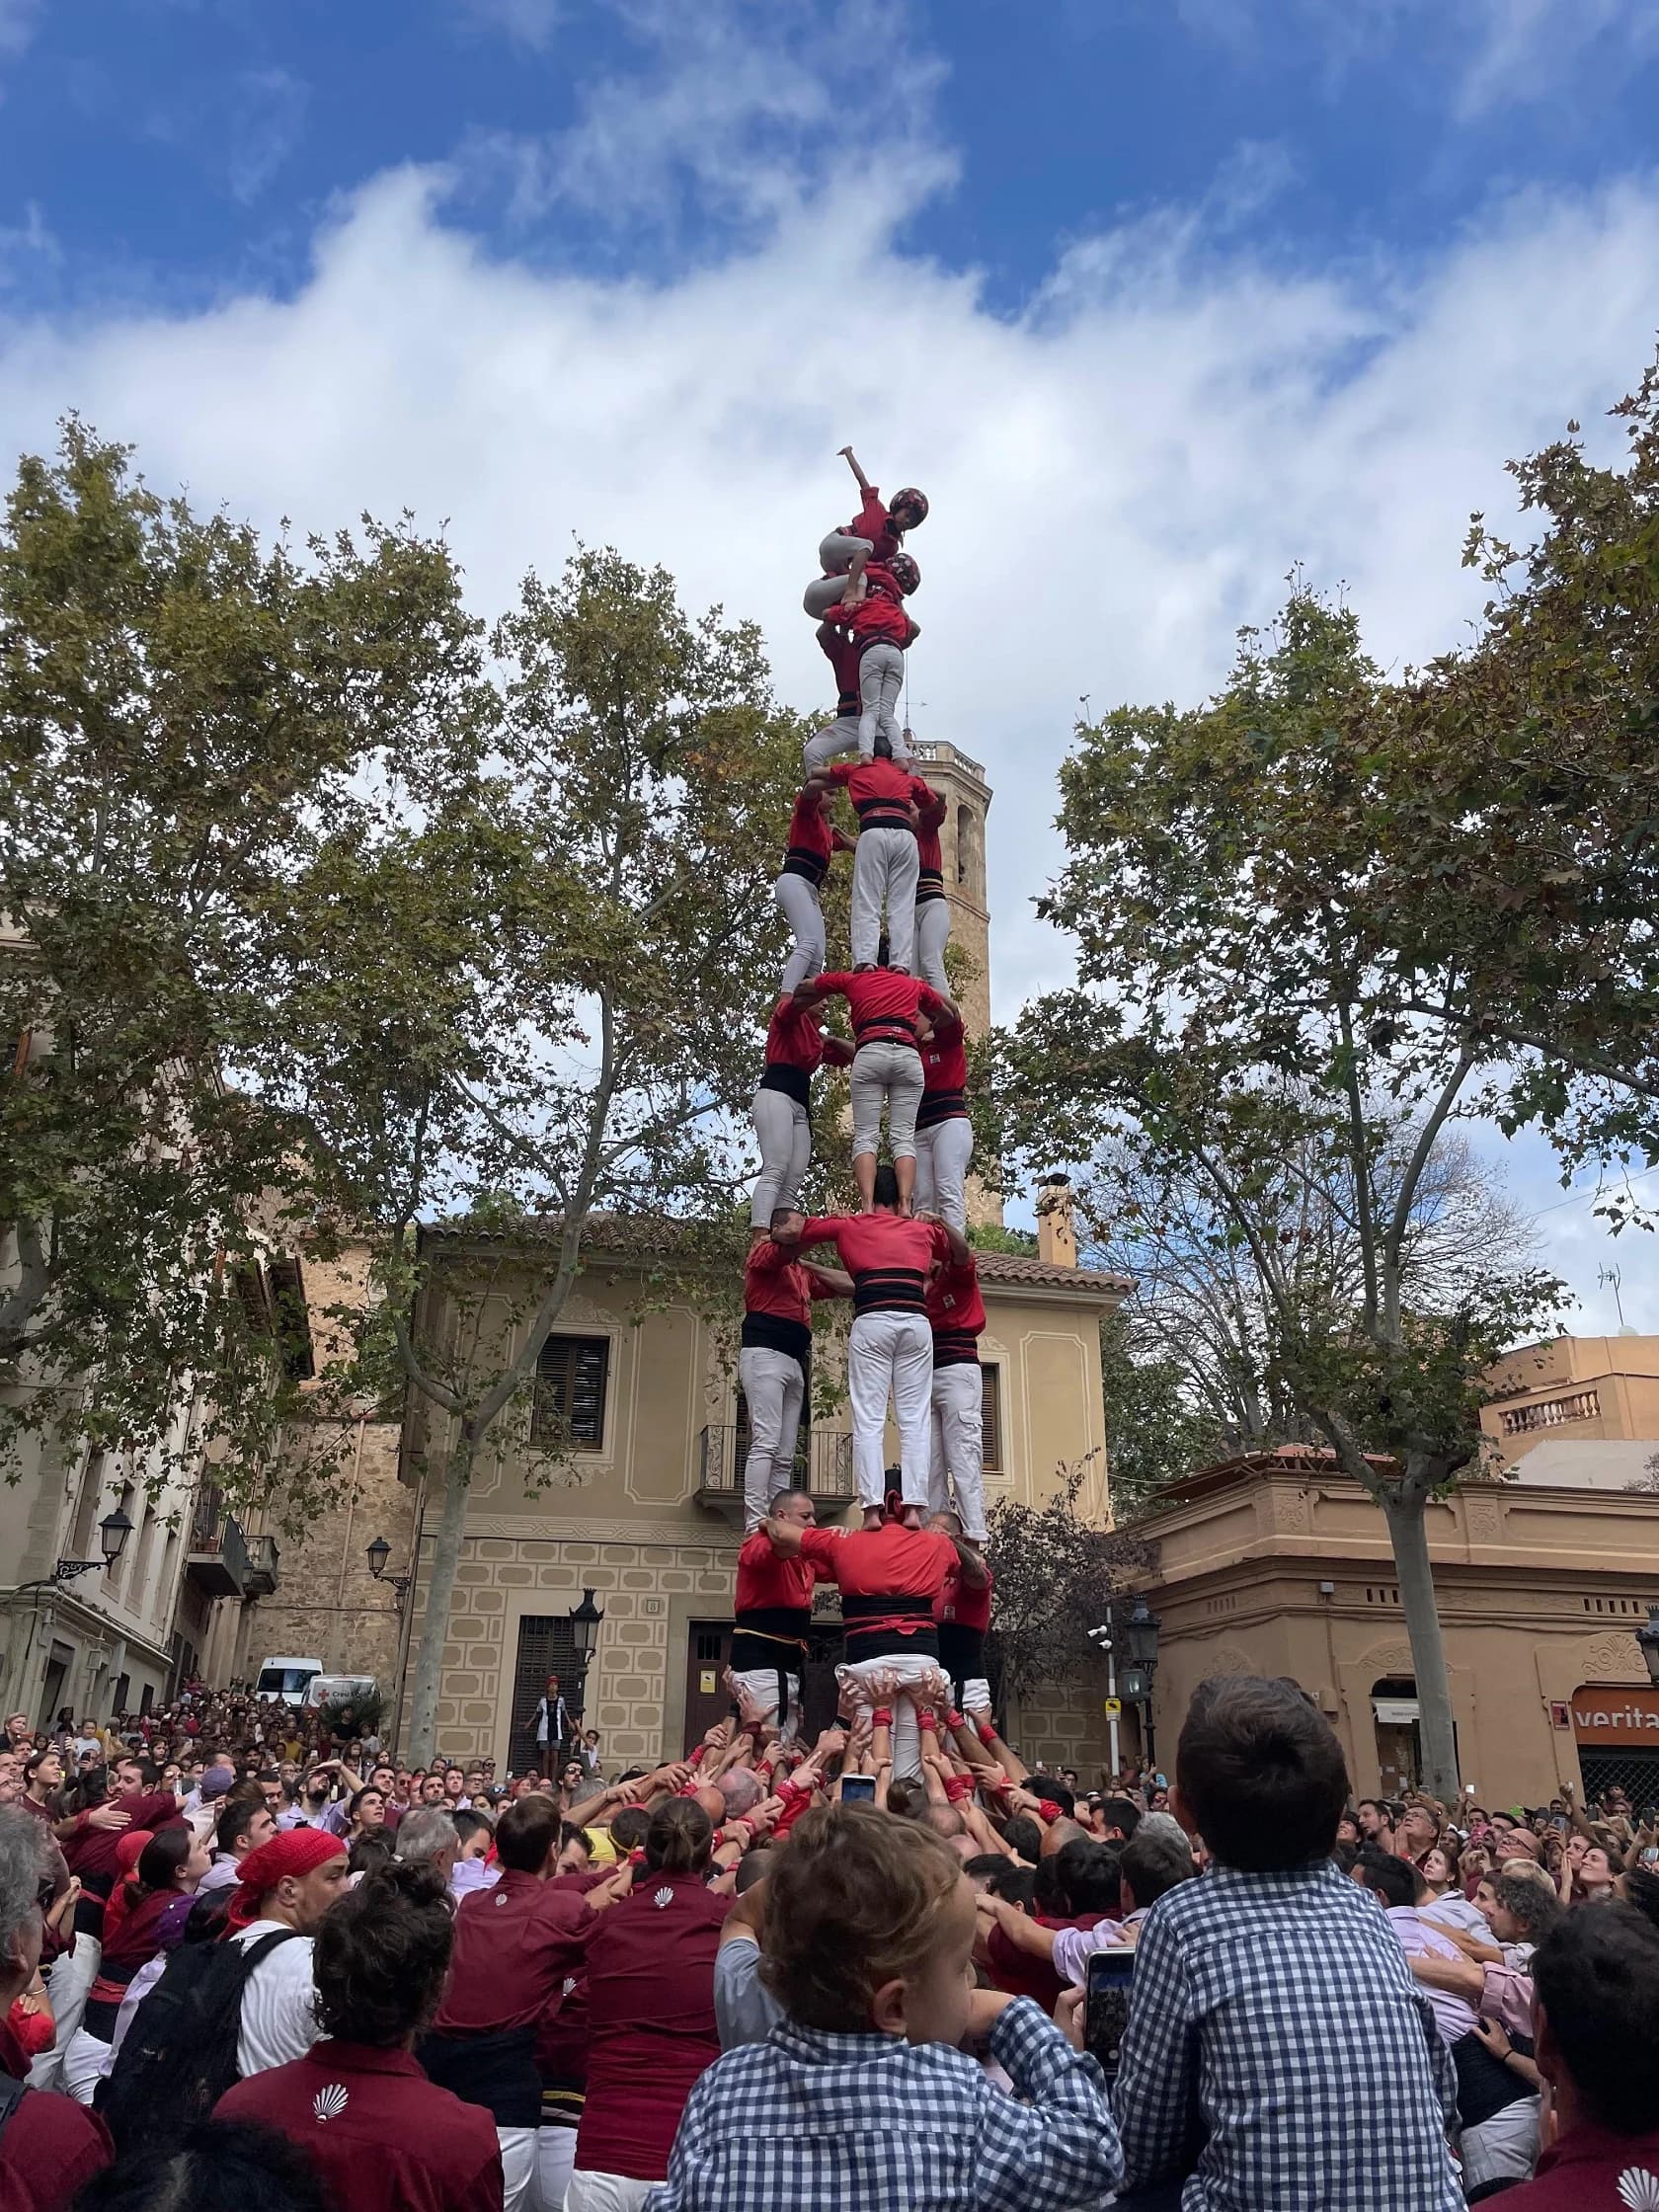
(298, 1850)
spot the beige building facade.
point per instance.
(1573, 1390)
(1278, 1565)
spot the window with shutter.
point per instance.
(569, 1406)
(991, 1416)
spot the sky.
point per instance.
(1157, 299)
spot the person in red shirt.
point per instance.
(651, 2014)
(381, 2136)
(884, 797)
(796, 1047)
(885, 1004)
(517, 1947)
(842, 735)
(773, 1359)
(889, 1350)
(944, 1132)
(882, 633)
(876, 532)
(771, 1610)
(90, 1840)
(932, 907)
(812, 841)
(957, 1318)
(48, 2143)
(963, 1614)
(892, 1574)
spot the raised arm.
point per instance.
(859, 477)
(828, 1282)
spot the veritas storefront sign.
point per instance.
(1616, 1714)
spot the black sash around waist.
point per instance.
(770, 1332)
(889, 1289)
(882, 814)
(931, 884)
(922, 1641)
(794, 1082)
(497, 2071)
(799, 861)
(961, 1652)
(849, 706)
(784, 1623)
(941, 1106)
(956, 1348)
(885, 1029)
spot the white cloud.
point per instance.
(1119, 476)
(267, 110)
(529, 23)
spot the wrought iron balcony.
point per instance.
(822, 1467)
(217, 1561)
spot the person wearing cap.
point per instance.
(217, 1781)
(286, 1884)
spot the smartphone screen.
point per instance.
(858, 1789)
(1108, 1977)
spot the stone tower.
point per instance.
(960, 782)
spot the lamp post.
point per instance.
(1648, 1638)
(380, 1552)
(585, 1621)
(113, 1532)
(1141, 1635)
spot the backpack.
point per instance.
(178, 2055)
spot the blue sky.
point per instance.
(1156, 298)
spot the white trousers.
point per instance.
(944, 1155)
(519, 2165)
(834, 558)
(86, 2061)
(555, 2155)
(884, 878)
(972, 1696)
(1503, 2148)
(958, 1453)
(907, 1730)
(890, 1075)
(798, 903)
(607, 2192)
(761, 1684)
(881, 678)
(890, 1353)
(773, 1387)
(71, 1975)
(932, 935)
(783, 1132)
(836, 738)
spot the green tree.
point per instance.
(1055, 1577)
(1154, 1434)
(544, 998)
(1225, 1033)
(179, 706)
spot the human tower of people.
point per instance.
(859, 1977)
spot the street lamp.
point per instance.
(1648, 1638)
(113, 1532)
(585, 1621)
(1141, 1635)
(380, 1552)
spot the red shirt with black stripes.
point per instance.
(884, 1002)
(888, 1257)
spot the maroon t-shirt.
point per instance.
(651, 2022)
(51, 2145)
(381, 2136)
(515, 1946)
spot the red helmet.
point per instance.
(905, 572)
(915, 500)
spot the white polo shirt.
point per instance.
(278, 2003)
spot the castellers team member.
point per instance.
(885, 1004)
(944, 1135)
(842, 735)
(876, 532)
(772, 1617)
(796, 1047)
(957, 1318)
(890, 1349)
(883, 633)
(932, 907)
(772, 1360)
(892, 1574)
(963, 1614)
(813, 839)
(884, 860)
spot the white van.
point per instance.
(287, 1677)
(327, 1689)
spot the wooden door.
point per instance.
(708, 1654)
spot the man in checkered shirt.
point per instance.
(860, 2101)
(1278, 2052)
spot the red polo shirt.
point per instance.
(888, 1257)
(881, 791)
(944, 1075)
(381, 2136)
(928, 849)
(963, 1604)
(515, 1945)
(891, 1561)
(793, 1037)
(775, 1283)
(842, 655)
(651, 2014)
(91, 1851)
(956, 1314)
(874, 522)
(811, 841)
(50, 2144)
(884, 1002)
(765, 1579)
(1582, 2172)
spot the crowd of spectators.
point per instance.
(245, 1960)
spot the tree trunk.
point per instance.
(1408, 1535)
(441, 1590)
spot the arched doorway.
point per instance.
(1399, 1736)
